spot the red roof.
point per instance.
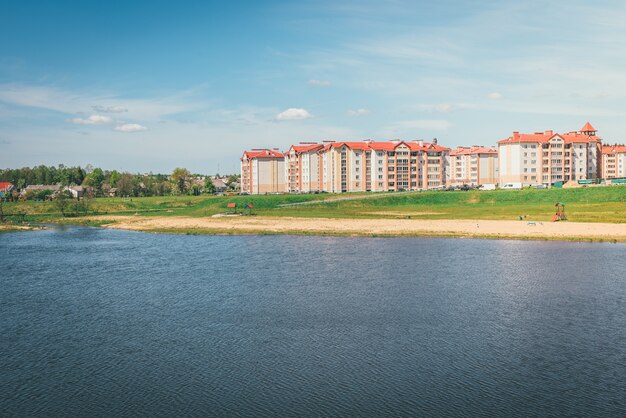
(473, 150)
(426, 146)
(386, 146)
(352, 145)
(578, 137)
(304, 148)
(263, 153)
(5, 185)
(614, 149)
(546, 136)
(588, 128)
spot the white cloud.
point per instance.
(66, 101)
(494, 96)
(358, 112)
(92, 120)
(130, 127)
(109, 109)
(319, 83)
(294, 114)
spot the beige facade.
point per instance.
(302, 168)
(382, 166)
(614, 161)
(262, 171)
(547, 158)
(473, 166)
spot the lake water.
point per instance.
(101, 322)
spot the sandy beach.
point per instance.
(373, 227)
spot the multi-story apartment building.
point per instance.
(382, 166)
(346, 167)
(263, 171)
(302, 168)
(547, 157)
(473, 166)
(614, 161)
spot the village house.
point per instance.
(78, 192)
(220, 183)
(39, 187)
(6, 187)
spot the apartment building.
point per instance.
(548, 157)
(474, 166)
(263, 171)
(382, 166)
(302, 168)
(614, 161)
(345, 167)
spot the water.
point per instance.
(113, 323)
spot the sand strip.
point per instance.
(383, 227)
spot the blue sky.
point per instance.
(149, 86)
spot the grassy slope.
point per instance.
(599, 204)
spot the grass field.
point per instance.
(593, 204)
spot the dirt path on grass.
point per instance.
(383, 227)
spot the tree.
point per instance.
(209, 187)
(125, 185)
(180, 177)
(95, 179)
(114, 178)
(62, 201)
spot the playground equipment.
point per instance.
(559, 215)
(233, 208)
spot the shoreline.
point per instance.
(455, 228)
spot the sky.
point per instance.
(147, 86)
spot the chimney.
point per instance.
(550, 132)
(420, 143)
(434, 141)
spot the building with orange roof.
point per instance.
(383, 166)
(263, 171)
(474, 166)
(548, 157)
(302, 168)
(614, 161)
(345, 166)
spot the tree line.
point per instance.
(108, 182)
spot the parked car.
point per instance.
(512, 186)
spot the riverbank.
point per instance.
(493, 229)
(15, 228)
